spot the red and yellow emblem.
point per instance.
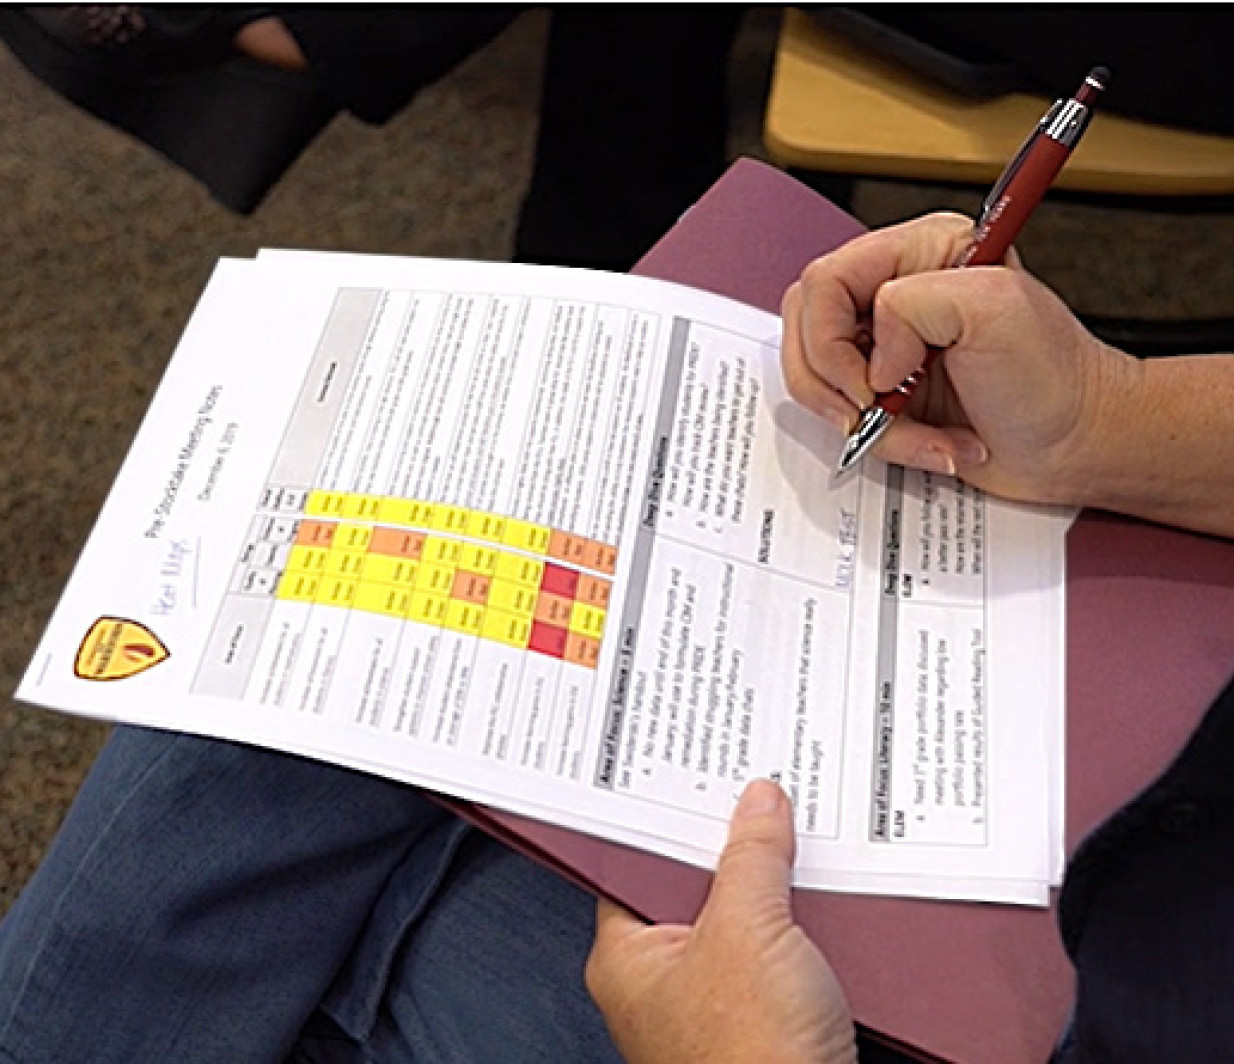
(115, 649)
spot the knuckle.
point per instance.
(792, 294)
(954, 219)
(816, 273)
(595, 973)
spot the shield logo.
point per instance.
(115, 649)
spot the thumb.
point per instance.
(756, 867)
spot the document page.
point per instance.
(559, 542)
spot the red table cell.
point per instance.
(547, 639)
(558, 580)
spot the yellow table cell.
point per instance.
(366, 506)
(587, 620)
(525, 536)
(420, 513)
(435, 578)
(298, 587)
(382, 569)
(502, 627)
(465, 617)
(428, 608)
(395, 511)
(352, 536)
(519, 569)
(488, 527)
(324, 503)
(442, 551)
(348, 563)
(453, 519)
(476, 558)
(336, 591)
(386, 599)
(513, 597)
(307, 559)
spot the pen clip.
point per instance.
(1017, 160)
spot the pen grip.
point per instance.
(991, 241)
(1007, 215)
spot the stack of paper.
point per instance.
(559, 542)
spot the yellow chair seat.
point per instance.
(836, 107)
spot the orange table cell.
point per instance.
(471, 587)
(600, 556)
(315, 533)
(568, 548)
(558, 544)
(553, 609)
(593, 591)
(397, 543)
(582, 650)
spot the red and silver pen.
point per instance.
(1016, 194)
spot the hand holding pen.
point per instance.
(1016, 194)
(1025, 388)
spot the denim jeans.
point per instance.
(210, 902)
(205, 901)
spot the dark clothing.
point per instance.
(373, 60)
(633, 129)
(1147, 915)
(633, 110)
(1170, 64)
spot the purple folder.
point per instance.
(1150, 643)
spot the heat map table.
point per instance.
(371, 588)
(478, 574)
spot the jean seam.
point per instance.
(372, 1008)
(72, 881)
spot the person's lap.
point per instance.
(203, 898)
(206, 901)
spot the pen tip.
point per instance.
(1101, 75)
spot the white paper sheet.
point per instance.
(558, 541)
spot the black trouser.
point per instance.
(633, 114)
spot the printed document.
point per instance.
(559, 542)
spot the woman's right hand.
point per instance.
(1019, 401)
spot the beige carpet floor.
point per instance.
(104, 249)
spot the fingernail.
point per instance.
(936, 461)
(971, 452)
(837, 419)
(759, 798)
